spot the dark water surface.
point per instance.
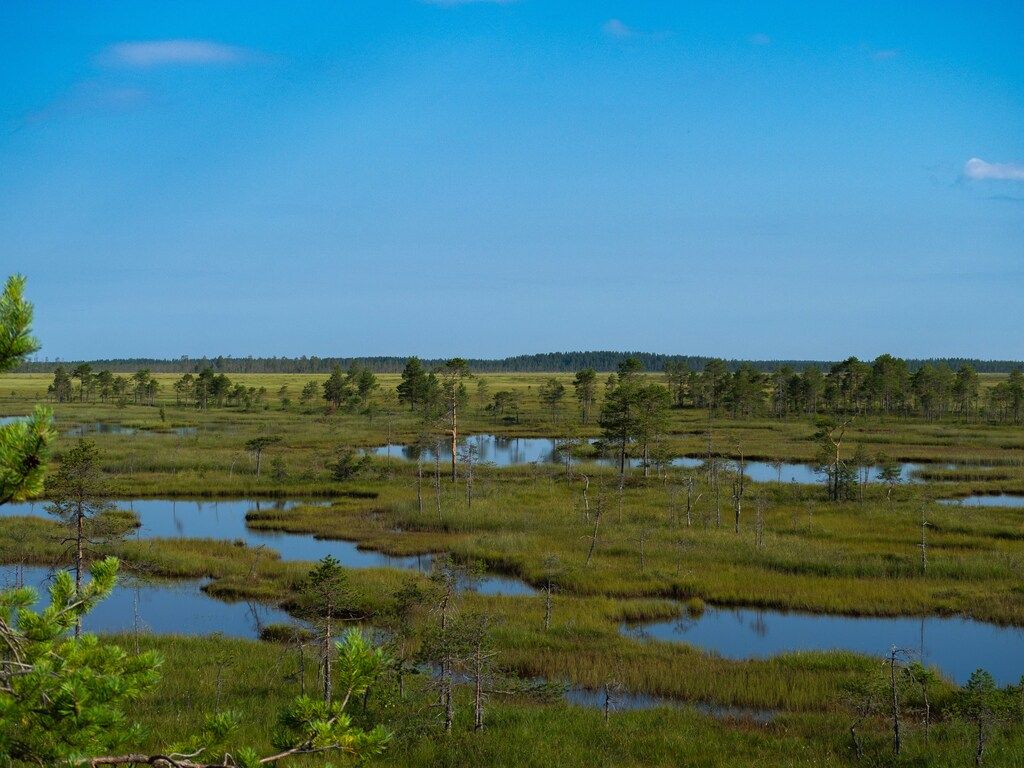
(171, 608)
(512, 451)
(957, 646)
(224, 520)
(982, 500)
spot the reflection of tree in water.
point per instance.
(480, 445)
(922, 650)
(759, 625)
(179, 524)
(685, 623)
(509, 446)
(257, 620)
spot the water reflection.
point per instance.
(171, 608)
(956, 645)
(512, 451)
(99, 428)
(585, 697)
(224, 520)
(106, 428)
(982, 500)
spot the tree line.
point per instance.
(548, 362)
(887, 386)
(81, 384)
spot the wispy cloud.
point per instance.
(978, 170)
(157, 53)
(618, 29)
(89, 98)
(885, 54)
(760, 38)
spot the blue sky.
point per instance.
(786, 179)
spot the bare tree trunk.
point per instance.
(607, 703)
(437, 478)
(419, 483)
(455, 433)
(858, 748)
(924, 542)
(547, 606)
(593, 536)
(897, 743)
(446, 698)
(689, 502)
(79, 561)
(327, 654)
(586, 500)
(478, 689)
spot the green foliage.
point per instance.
(322, 727)
(24, 452)
(634, 412)
(63, 700)
(322, 591)
(348, 465)
(24, 445)
(359, 664)
(16, 341)
(61, 697)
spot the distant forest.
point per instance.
(548, 362)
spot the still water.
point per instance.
(957, 646)
(172, 608)
(511, 451)
(982, 500)
(224, 520)
(105, 428)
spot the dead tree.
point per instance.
(739, 486)
(480, 655)
(612, 689)
(598, 514)
(437, 479)
(641, 543)
(552, 568)
(691, 499)
(444, 644)
(586, 500)
(759, 506)
(924, 539)
(419, 483)
(896, 655)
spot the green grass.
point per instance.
(859, 558)
(256, 679)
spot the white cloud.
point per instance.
(760, 38)
(979, 170)
(616, 28)
(155, 53)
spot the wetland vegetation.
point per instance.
(655, 566)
